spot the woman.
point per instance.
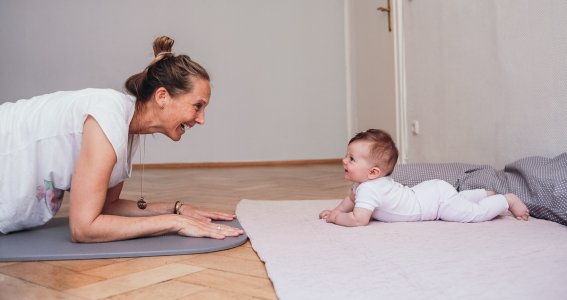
(83, 141)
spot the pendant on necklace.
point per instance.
(142, 204)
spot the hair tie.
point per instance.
(159, 56)
(164, 53)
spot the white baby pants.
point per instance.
(465, 206)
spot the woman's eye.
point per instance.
(198, 106)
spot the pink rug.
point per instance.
(307, 258)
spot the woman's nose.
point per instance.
(200, 118)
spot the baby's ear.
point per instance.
(374, 173)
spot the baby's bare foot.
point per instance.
(517, 207)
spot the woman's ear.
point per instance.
(374, 173)
(160, 96)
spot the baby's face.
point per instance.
(357, 163)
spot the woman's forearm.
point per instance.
(129, 208)
(111, 227)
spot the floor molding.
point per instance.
(239, 164)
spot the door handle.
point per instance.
(387, 10)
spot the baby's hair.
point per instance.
(173, 72)
(383, 149)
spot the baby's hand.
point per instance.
(324, 214)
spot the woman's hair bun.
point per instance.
(163, 44)
(173, 72)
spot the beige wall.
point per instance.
(487, 80)
(278, 67)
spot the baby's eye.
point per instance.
(351, 158)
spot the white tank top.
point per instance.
(40, 140)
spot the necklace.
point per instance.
(142, 204)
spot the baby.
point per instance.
(369, 161)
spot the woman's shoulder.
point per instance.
(104, 97)
(97, 94)
(100, 92)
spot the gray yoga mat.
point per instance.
(53, 242)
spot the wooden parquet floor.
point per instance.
(237, 273)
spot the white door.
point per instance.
(371, 62)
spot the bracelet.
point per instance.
(176, 208)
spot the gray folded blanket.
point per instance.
(539, 181)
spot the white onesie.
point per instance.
(391, 201)
(40, 139)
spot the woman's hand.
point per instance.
(204, 215)
(197, 223)
(199, 227)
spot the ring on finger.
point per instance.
(218, 227)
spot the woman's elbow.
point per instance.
(81, 234)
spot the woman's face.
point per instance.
(184, 111)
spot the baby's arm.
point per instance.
(345, 206)
(358, 217)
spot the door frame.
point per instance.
(401, 87)
(400, 98)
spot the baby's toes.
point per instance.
(523, 217)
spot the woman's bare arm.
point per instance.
(114, 205)
(94, 219)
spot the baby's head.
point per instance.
(372, 150)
